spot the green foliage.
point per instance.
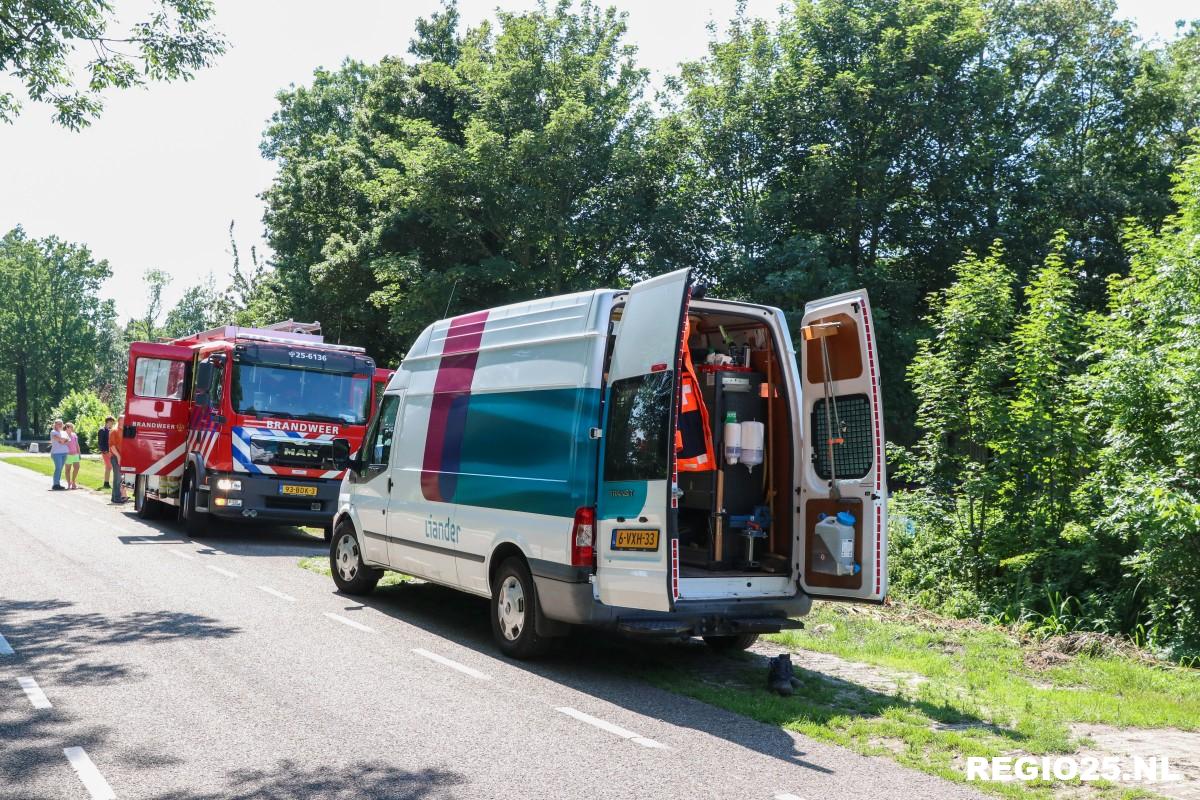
(52, 322)
(87, 410)
(39, 41)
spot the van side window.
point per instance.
(637, 435)
(377, 448)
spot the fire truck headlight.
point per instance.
(229, 485)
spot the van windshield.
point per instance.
(301, 394)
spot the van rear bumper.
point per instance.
(572, 602)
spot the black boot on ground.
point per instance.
(779, 675)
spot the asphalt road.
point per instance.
(136, 662)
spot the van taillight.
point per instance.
(583, 538)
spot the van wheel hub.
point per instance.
(510, 609)
(347, 557)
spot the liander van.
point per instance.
(649, 460)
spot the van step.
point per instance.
(655, 627)
(706, 626)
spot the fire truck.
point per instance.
(237, 423)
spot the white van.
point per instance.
(532, 454)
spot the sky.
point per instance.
(156, 181)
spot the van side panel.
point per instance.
(496, 445)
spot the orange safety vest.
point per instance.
(693, 436)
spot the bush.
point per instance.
(87, 411)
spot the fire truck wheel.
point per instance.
(194, 522)
(350, 574)
(145, 507)
(729, 644)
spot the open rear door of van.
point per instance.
(842, 515)
(637, 549)
(157, 404)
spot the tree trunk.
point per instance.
(22, 399)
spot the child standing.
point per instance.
(72, 463)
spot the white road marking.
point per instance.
(220, 571)
(349, 622)
(182, 554)
(34, 692)
(5, 650)
(277, 593)
(788, 796)
(608, 726)
(93, 781)
(446, 662)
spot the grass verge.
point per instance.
(986, 693)
(91, 471)
(320, 565)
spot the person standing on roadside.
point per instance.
(115, 440)
(73, 457)
(58, 453)
(102, 441)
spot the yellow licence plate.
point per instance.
(635, 539)
(298, 489)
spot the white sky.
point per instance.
(157, 179)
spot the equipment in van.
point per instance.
(565, 458)
(837, 535)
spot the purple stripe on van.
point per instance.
(448, 413)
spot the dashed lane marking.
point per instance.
(446, 662)
(787, 796)
(349, 622)
(93, 781)
(608, 726)
(182, 554)
(5, 650)
(278, 593)
(220, 571)
(34, 692)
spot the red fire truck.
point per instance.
(237, 423)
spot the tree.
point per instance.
(50, 316)
(194, 312)
(146, 328)
(87, 410)
(39, 40)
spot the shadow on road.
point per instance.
(367, 780)
(233, 537)
(600, 664)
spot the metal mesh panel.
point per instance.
(853, 456)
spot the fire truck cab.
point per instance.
(237, 423)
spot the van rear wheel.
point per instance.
(515, 611)
(730, 644)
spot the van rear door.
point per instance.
(843, 487)
(637, 550)
(156, 409)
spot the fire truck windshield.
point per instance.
(269, 391)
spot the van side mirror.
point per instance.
(340, 453)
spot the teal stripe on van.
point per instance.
(529, 451)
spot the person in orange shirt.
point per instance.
(115, 440)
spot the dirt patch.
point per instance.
(867, 676)
(1058, 650)
(1180, 748)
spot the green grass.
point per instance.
(981, 698)
(91, 471)
(320, 565)
(8, 448)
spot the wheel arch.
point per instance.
(501, 553)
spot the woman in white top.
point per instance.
(59, 445)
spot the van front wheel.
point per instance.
(515, 611)
(350, 573)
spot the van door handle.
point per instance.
(389, 484)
